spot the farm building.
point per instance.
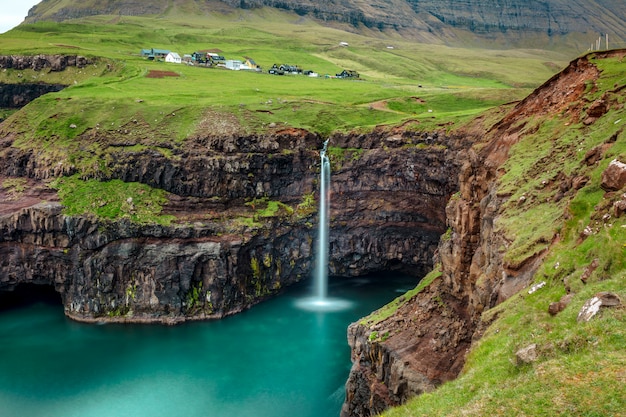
(153, 53)
(173, 57)
(235, 65)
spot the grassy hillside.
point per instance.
(581, 366)
(116, 96)
(455, 83)
(552, 24)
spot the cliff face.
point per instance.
(18, 95)
(427, 20)
(210, 262)
(424, 343)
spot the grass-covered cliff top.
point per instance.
(554, 210)
(398, 79)
(123, 102)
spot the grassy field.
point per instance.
(452, 84)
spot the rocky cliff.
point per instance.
(481, 262)
(18, 95)
(226, 250)
(486, 22)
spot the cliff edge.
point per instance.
(522, 211)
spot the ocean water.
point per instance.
(274, 360)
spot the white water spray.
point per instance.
(320, 300)
(321, 275)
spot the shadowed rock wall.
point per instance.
(387, 212)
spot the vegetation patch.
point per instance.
(389, 309)
(112, 200)
(14, 187)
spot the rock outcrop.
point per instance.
(209, 264)
(40, 62)
(19, 95)
(428, 336)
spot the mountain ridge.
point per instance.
(488, 23)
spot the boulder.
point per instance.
(527, 354)
(592, 306)
(614, 176)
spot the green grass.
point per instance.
(580, 370)
(111, 200)
(113, 101)
(389, 309)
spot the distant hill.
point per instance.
(547, 24)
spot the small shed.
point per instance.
(173, 57)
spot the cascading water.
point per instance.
(321, 275)
(320, 301)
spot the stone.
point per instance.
(536, 287)
(592, 156)
(556, 307)
(592, 306)
(597, 109)
(579, 181)
(589, 270)
(614, 176)
(619, 207)
(527, 355)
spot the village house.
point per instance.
(235, 65)
(173, 57)
(153, 53)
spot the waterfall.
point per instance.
(320, 302)
(321, 275)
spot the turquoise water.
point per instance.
(274, 360)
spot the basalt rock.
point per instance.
(19, 95)
(427, 338)
(40, 62)
(206, 265)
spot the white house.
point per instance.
(236, 65)
(173, 57)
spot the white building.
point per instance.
(173, 57)
(236, 65)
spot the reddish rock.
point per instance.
(579, 181)
(589, 270)
(592, 156)
(597, 109)
(614, 176)
(557, 307)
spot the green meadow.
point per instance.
(451, 84)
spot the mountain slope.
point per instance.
(535, 231)
(498, 23)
